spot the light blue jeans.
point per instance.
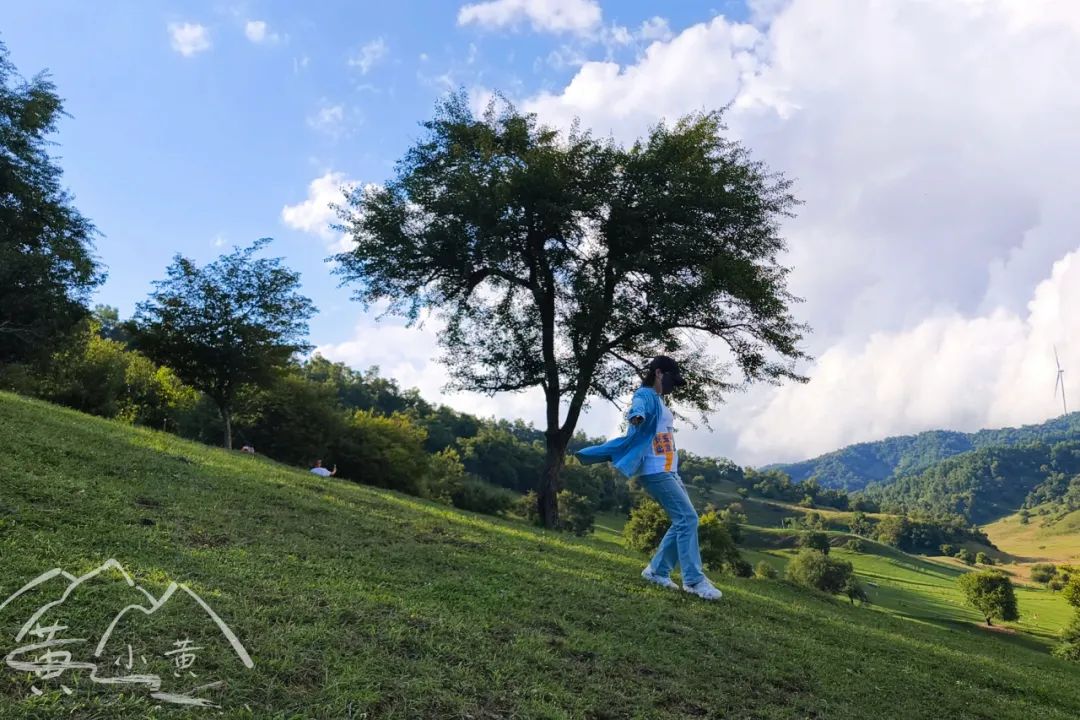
(680, 543)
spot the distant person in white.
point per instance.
(321, 471)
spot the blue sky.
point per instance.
(932, 144)
(170, 153)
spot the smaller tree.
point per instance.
(765, 571)
(813, 569)
(991, 593)
(983, 559)
(232, 323)
(856, 545)
(965, 556)
(718, 549)
(1069, 648)
(575, 513)
(646, 527)
(815, 541)
(854, 591)
(1071, 591)
(1043, 572)
(948, 550)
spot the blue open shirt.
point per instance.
(626, 453)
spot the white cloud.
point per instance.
(258, 32)
(189, 38)
(328, 119)
(932, 144)
(949, 370)
(369, 55)
(315, 215)
(543, 15)
(655, 28)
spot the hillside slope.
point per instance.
(855, 466)
(355, 602)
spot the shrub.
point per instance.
(478, 496)
(765, 571)
(527, 507)
(1071, 591)
(742, 492)
(741, 568)
(1056, 584)
(965, 556)
(575, 513)
(948, 550)
(854, 591)
(718, 549)
(991, 593)
(815, 541)
(856, 545)
(1069, 648)
(646, 527)
(1043, 572)
(983, 559)
(383, 451)
(813, 569)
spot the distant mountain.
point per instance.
(856, 466)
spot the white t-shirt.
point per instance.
(662, 456)
(321, 471)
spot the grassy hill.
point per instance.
(1044, 538)
(855, 466)
(356, 602)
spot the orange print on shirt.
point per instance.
(664, 444)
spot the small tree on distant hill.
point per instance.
(948, 550)
(1043, 572)
(815, 541)
(231, 323)
(718, 549)
(983, 559)
(811, 568)
(965, 556)
(854, 591)
(991, 593)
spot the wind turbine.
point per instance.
(1060, 382)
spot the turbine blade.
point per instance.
(1056, 361)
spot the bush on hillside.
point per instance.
(948, 549)
(383, 451)
(765, 571)
(1069, 647)
(528, 508)
(1071, 591)
(718, 551)
(813, 569)
(1043, 572)
(854, 590)
(855, 545)
(575, 513)
(646, 527)
(814, 541)
(983, 559)
(965, 556)
(478, 496)
(740, 567)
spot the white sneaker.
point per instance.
(652, 577)
(704, 589)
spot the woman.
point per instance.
(647, 452)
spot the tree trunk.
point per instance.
(988, 623)
(226, 417)
(547, 500)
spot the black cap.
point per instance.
(666, 364)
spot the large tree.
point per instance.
(991, 593)
(231, 323)
(564, 262)
(47, 266)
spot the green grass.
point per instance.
(357, 602)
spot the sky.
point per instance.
(932, 144)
